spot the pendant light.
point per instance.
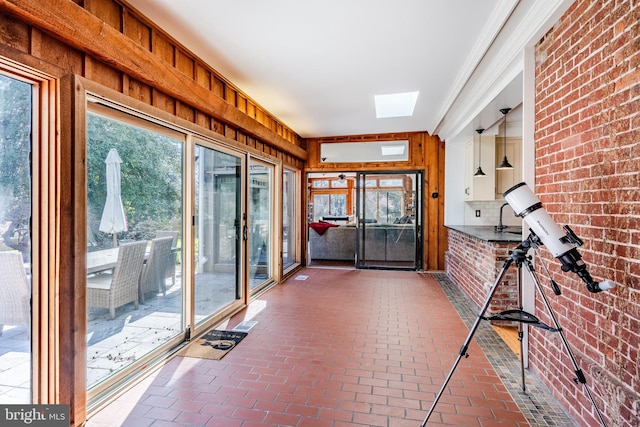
(479, 172)
(505, 163)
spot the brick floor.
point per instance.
(345, 348)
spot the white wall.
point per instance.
(453, 184)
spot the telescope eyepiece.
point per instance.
(572, 261)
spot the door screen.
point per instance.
(389, 220)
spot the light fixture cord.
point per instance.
(479, 149)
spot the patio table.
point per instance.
(106, 259)
(102, 260)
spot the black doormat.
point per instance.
(213, 345)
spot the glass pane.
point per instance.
(369, 151)
(15, 241)
(134, 228)
(391, 183)
(218, 209)
(371, 207)
(260, 220)
(320, 206)
(338, 204)
(390, 206)
(289, 218)
(388, 223)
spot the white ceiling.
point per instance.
(316, 66)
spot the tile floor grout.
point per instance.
(345, 348)
(537, 404)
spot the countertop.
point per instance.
(489, 233)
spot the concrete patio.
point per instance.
(114, 344)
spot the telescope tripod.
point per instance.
(519, 256)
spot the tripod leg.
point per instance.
(465, 346)
(521, 339)
(521, 326)
(580, 378)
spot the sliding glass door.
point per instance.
(218, 231)
(134, 292)
(289, 219)
(260, 233)
(16, 133)
(389, 220)
(181, 232)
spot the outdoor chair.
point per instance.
(114, 290)
(173, 255)
(154, 273)
(15, 293)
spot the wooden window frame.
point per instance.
(45, 229)
(297, 219)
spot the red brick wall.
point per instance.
(471, 263)
(587, 144)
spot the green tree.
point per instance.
(151, 176)
(15, 168)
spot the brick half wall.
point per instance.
(473, 264)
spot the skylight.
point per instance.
(395, 104)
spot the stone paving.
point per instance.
(15, 365)
(114, 344)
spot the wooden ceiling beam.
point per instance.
(82, 30)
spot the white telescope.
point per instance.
(562, 245)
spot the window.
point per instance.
(16, 131)
(338, 204)
(134, 234)
(391, 183)
(331, 196)
(371, 151)
(329, 205)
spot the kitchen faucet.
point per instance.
(501, 227)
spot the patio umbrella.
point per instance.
(113, 218)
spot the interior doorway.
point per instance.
(365, 220)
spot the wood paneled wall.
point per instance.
(109, 43)
(426, 153)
